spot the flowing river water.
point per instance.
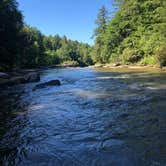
(97, 117)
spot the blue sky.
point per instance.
(73, 18)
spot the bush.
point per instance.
(51, 58)
(161, 55)
(148, 60)
(114, 58)
(130, 55)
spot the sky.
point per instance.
(73, 18)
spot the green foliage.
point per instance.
(99, 48)
(134, 34)
(130, 56)
(32, 48)
(22, 46)
(39, 50)
(10, 26)
(148, 60)
(101, 21)
(51, 58)
(161, 55)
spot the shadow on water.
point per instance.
(97, 117)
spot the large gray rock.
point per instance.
(4, 75)
(49, 83)
(17, 78)
(32, 77)
(12, 81)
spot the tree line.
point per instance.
(22, 46)
(135, 34)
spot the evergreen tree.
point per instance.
(99, 32)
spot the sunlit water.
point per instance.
(95, 118)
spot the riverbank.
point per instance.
(23, 76)
(19, 77)
(119, 66)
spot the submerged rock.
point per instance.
(49, 83)
(135, 86)
(32, 77)
(4, 75)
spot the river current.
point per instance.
(97, 117)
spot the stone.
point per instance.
(49, 83)
(4, 75)
(32, 77)
(116, 64)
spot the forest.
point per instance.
(23, 46)
(135, 34)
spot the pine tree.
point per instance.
(99, 32)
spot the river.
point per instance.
(97, 117)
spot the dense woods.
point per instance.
(136, 34)
(40, 50)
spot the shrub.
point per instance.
(114, 58)
(130, 55)
(148, 60)
(161, 55)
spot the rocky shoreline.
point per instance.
(19, 77)
(118, 66)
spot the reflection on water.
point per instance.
(96, 118)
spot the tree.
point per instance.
(101, 21)
(32, 48)
(99, 32)
(22, 46)
(10, 25)
(134, 33)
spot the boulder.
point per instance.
(4, 75)
(12, 81)
(116, 64)
(49, 83)
(16, 80)
(32, 77)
